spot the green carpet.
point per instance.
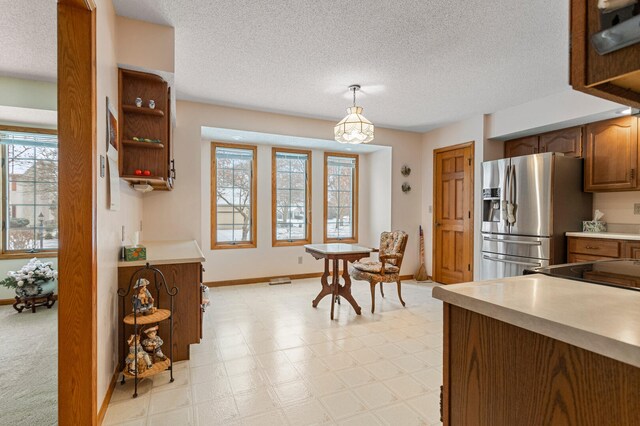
(29, 367)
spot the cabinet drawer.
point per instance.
(580, 258)
(595, 247)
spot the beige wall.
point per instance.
(146, 45)
(617, 206)
(183, 212)
(109, 222)
(28, 103)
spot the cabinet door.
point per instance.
(632, 250)
(566, 141)
(522, 146)
(611, 157)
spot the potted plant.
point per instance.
(32, 279)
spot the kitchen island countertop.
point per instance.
(598, 318)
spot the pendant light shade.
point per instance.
(354, 128)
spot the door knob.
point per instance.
(437, 224)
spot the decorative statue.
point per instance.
(153, 342)
(142, 299)
(143, 362)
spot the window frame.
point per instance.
(215, 245)
(355, 190)
(5, 253)
(274, 217)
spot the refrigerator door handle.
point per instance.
(528, 243)
(513, 262)
(505, 194)
(511, 206)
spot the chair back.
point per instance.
(393, 243)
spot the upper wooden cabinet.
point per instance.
(522, 146)
(145, 132)
(614, 76)
(566, 141)
(611, 155)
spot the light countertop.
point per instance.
(598, 318)
(167, 253)
(607, 235)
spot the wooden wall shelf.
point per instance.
(142, 110)
(145, 145)
(148, 123)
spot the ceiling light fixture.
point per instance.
(354, 128)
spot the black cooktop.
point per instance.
(623, 273)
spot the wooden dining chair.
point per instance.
(384, 270)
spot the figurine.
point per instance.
(152, 104)
(142, 299)
(138, 102)
(153, 342)
(143, 361)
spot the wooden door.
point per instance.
(566, 141)
(522, 146)
(611, 155)
(453, 217)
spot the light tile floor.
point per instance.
(269, 358)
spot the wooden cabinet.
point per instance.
(522, 146)
(583, 249)
(614, 76)
(187, 313)
(632, 250)
(611, 155)
(145, 132)
(566, 141)
(496, 373)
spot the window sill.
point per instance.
(284, 243)
(223, 246)
(341, 240)
(26, 255)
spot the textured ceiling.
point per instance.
(421, 63)
(28, 39)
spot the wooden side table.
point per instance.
(336, 252)
(32, 302)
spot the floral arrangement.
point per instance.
(33, 272)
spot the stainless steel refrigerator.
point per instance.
(528, 203)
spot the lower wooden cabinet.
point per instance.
(187, 321)
(499, 374)
(582, 249)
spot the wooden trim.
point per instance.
(446, 353)
(27, 255)
(267, 279)
(108, 395)
(4, 302)
(20, 129)
(254, 191)
(356, 189)
(77, 263)
(470, 228)
(282, 243)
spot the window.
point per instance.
(341, 197)
(290, 197)
(233, 196)
(30, 185)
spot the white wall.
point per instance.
(379, 175)
(617, 206)
(468, 130)
(109, 222)
(182, 213)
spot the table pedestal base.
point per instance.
(335, 288)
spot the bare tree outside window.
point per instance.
(234, 168)
(290, 194)
(340, 196)
(31, 180)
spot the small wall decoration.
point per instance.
(112, 159)
(406, 187)
(405, 170)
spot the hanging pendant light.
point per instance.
(354, 128)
